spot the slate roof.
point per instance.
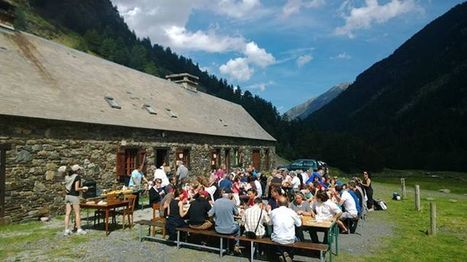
(43, 79)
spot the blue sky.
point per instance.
(285, 51)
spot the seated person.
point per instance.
(198, 212)
(324, 209)
(349, 205)
(284, 220)
(273, 203)
(224, 210)
(302, 208)
(175, 212)
(255, 217)
(251, 193)
(156, 192)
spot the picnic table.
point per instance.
(107, 206)
(329, 225)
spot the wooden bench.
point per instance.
(308, 246)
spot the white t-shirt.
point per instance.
(259, 189)
(325, 210)
(349, 203)
(284, 221)
(159, 173)
(304, 177)
(295, 182)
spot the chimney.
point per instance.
(7, 14)
(187, 81)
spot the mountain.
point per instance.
(305, 109)
(410, 109)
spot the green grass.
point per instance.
(409, 241)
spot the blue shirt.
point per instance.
(224, 210)
(136, 178)
(312, 178)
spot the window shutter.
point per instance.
(141, 158)
(120, 162)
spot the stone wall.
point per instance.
(39, 147)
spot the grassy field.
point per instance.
(410, 241)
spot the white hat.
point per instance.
(61, 169)
(76, 167)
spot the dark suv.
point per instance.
(302, 164)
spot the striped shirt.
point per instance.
(251, 217)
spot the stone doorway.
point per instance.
(162, 156)
(3, 149)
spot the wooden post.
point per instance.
(432, 230)
(417, 197)
(403, 191)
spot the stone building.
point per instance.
(60, 106)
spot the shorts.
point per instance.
(74, 200)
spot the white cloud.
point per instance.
(260, 86)
(209, 41)
(237, 68)
(236, 9)
(303, 59)
(165, 23)
(342, 55)
(294, 6)
(258, 56)
(241, 69)
(373, 12)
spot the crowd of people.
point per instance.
(244, 201)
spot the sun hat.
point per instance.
(76, 167)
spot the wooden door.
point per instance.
(256, 158)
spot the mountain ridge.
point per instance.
(303, 110)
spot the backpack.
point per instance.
(357, 201)
(380, 205)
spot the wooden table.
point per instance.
(107, 207)
(329, 225)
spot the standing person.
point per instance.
(182, 172)
(72, 188)
(368, 189)
(284, 220)
(160, 174)
(136, 179)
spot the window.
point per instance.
(112, 103)
(150, 109)
(215, 158)
(227, 158)
(184, 155)
(236, 157)
(128, 159)
(171, 113)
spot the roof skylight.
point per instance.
(112, 103)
